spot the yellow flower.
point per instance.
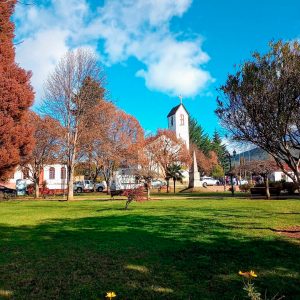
(110, 295)
(252, 274)
(248, 274)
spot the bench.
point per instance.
(261, 191)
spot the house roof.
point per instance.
(174, 110)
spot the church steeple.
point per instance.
(178, 121)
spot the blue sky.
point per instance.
(155, 50)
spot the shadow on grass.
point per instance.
(142, 257)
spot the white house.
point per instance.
(55, 176)
(279, 176)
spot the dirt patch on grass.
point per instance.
(292, 232)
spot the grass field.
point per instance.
(161, 249)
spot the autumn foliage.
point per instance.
(16, 96)
(206, 163)
(166, 149)
(115, 139)
(48, 135)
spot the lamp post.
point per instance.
(230, 170)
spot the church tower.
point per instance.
(178, 121)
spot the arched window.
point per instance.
(63, 173)
(52, 173)
(181, 119)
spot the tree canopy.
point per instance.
(72, 92)
(260, 104)
(16, 96)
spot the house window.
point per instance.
(181, 119)
(172, 122)
(63, 173)
(25, 174)
(52, 173)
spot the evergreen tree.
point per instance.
(16, 96)
(198, 137)
(220, 149)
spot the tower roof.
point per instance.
(174, 110)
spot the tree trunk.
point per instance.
(70, 195)
(107, 181)
(148, 187)
(267, 187)
(36, 188)
(174, 184)
(127, 203)
(168, 185)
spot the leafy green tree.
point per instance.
(217, 171)
(174, 172)
(198, 137)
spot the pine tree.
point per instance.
(198, 137)
(16, 96)
(220, 149)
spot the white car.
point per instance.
(155, 184)
(243, 181)
(88, 185)
(208, 181)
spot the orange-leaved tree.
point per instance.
(206, 163)
(16, 96)
(48, 134)
(115, 140)
(166, 149)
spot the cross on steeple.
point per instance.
(180, 97)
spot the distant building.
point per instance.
(260, 154)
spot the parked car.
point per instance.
(88, 186)
(208, 181)
(242, 181)
(156, 184)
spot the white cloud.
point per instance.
(140, 29)
(40, 53)
(173, 63)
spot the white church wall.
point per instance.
(179, 122)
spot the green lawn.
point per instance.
(161, 249)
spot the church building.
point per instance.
(178, 121)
